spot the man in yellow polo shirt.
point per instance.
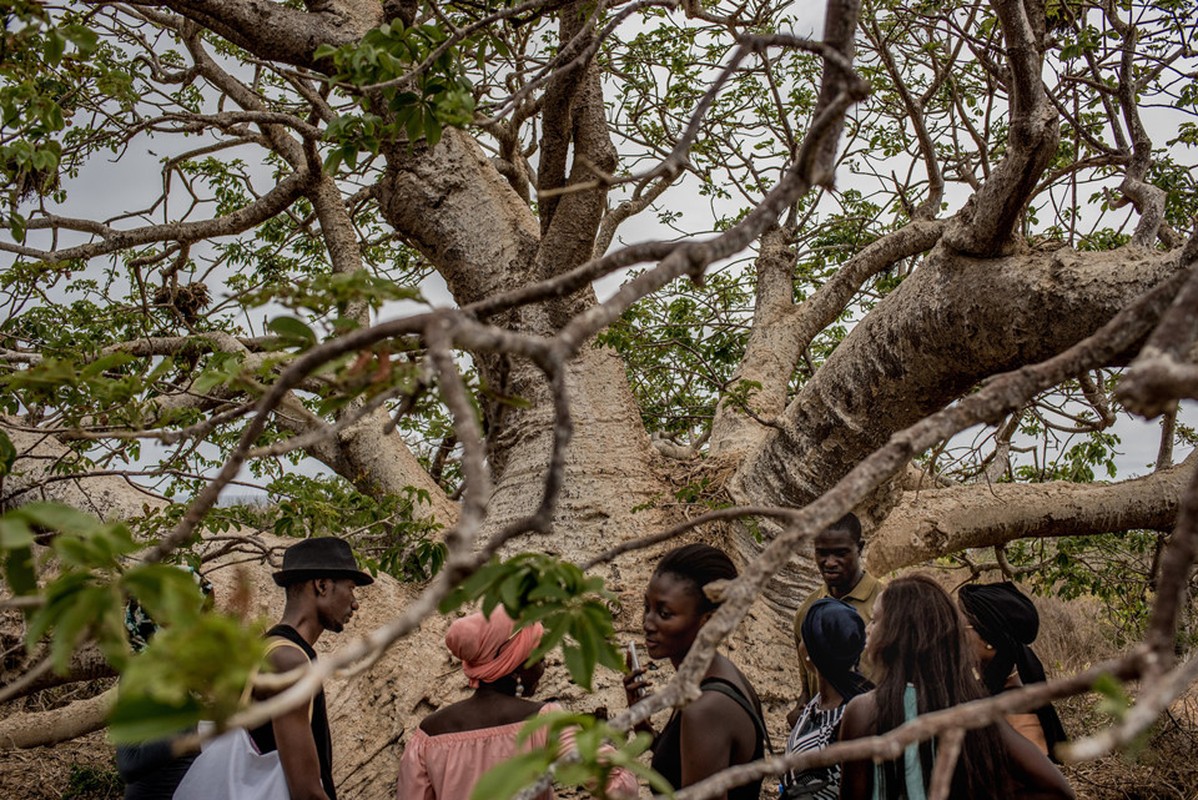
(838, 557)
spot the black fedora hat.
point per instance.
(325, 557)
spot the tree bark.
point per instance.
(43, 728)
(954, 322)
(33, 478)
(929, 524)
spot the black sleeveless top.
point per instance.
(667, 747)
(264, 735)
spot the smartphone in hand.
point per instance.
(633, 661)
(634, 664)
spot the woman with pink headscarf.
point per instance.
(452, 748)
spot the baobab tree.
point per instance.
(930, 218)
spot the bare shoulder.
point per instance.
(860, 717)
(708, 707)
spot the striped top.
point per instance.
(815, 730)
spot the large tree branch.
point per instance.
(277, 32)
(782, 331)
(988, 222)
(923, 347)
(929, 524)
(453, 205)
(574, 119)
(557, 119)
(840, 27)
(42, 728)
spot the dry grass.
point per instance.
(1072, 638)
(78, 770)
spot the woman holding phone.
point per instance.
(723, 727)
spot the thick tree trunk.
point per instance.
(455, 206)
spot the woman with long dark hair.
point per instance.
(724, 726)
(1003, 623)
(917, 641)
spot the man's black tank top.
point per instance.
(264, 735)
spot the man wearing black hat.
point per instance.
(320, 576)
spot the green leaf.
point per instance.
(17, 223)
(432, 130)
(139, 718)
(14, 532)
(18, 571)
(8, 454)
(576, 663)
(1114, 701)
(84, 611)
(55, 46)
(59, 517)
(293, 330)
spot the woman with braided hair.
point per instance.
(724, 727)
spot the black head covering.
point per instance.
(834, 635)
(322, 557)
(1007, 620)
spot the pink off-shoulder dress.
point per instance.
(448, 765)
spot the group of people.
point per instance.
(872, 656)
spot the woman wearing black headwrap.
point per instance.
(833, 636)
(1005, 623)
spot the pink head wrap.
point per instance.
(488, 648)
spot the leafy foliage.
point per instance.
(680, 350)
(192, 670)
(195, 667)
(594, 758)
(380, 65)
(574, 608)
(386, 529)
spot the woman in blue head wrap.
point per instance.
(833, 638)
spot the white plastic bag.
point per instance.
(231, 768)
